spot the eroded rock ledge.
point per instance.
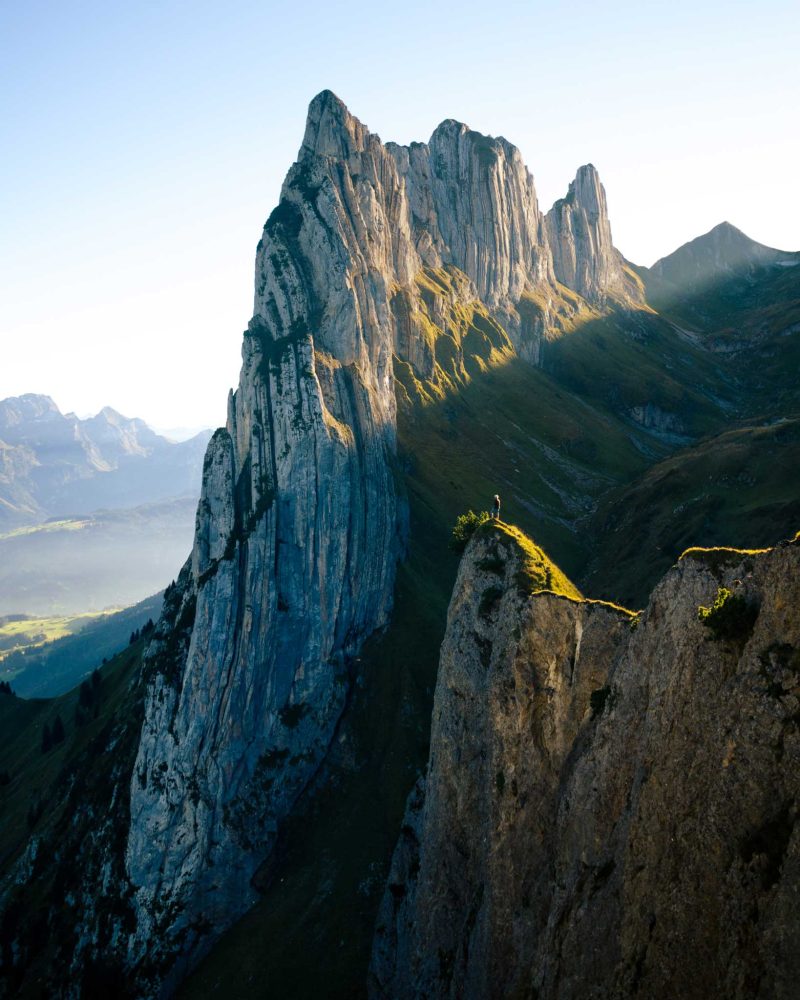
(610, 803)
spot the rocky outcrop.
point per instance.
(379, 260)
(298, 530)
(610, 803)
(579, 236)
(654, 418)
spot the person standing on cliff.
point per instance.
(496, 508)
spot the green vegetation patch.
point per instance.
(538, 572)
(719, 557)
(33, 633)
(465, 527)
(730, 616)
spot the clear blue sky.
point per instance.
(144, 144)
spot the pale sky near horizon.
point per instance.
(144, 145)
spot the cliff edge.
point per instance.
(611, 799)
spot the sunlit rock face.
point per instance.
(300, 525)
(610, 805)
(579, 236)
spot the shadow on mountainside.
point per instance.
(508, 428)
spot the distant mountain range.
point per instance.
(55, 465)
(93, 513)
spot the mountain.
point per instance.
(719, 253)
(610, 803)
(423, 336)
(720, 278)
(433, 260)
(54, 464)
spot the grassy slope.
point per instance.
(32, 633)
(35, 775)
(70, 783)
(752, 325)
(740, 488)
(622, 361)
(56, 666)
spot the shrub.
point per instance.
(730, 616)
(465, 527)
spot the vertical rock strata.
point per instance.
(579, 235)
(377, 255)
(608, 811)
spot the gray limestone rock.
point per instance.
(374, 255)
(609, 810)
(579, 236)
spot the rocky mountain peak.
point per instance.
(29, 406)
(579, 232)
(373, 253)
(331, 130)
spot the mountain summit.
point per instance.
(54, 464)
(721, 252)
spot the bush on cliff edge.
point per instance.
(465, 527)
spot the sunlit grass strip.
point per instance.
(721, 553)
(33, 529)
(33, 633)
(538, 571)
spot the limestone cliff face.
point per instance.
(608, 811)
(579, 235)
(298, 530)
(377, 256)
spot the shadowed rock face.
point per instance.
(640, 841)
(299, 525)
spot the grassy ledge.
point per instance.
(538, 572)
(718, 557)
